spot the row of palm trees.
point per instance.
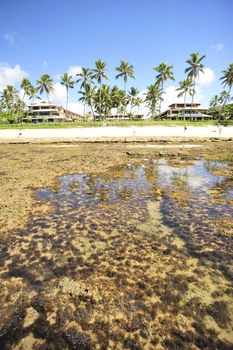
(100, 98)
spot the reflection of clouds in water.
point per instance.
(195, 176)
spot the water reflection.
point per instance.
(136, 258)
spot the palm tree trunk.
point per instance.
(225, 101)
(84, 110)
(160, 103)
(131, 106)
(100, 104)
(185, 102)
(194, 92)
(92, 111)
(66, 97)
(125, 98)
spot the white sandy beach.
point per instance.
(111, 132)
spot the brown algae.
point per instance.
(138, 257)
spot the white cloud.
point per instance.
(76, 107)
(10, 75)
(217, 47)
(206, 78)
(73, 70)
(59, 97)
(170, 96)
(59, 94)
(10, 38)
(45, 63)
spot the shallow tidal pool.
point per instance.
(138, 257)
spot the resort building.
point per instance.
(48, 112)
(121, 117)
(188, 111)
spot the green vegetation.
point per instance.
(165, 73)
(122, 123)
(101, 100)
(194, 69)
(67, 81)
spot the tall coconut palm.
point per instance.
(83, 99)
(224, 97)
(45, 84)
(67, 81)
(165, 73)
(8, 98)
(90, 95)
(153, 97)
(85, 77)
(98, 73)
(185, 87)
(137, 103)
(194, 69)
(126, 71)
(106, 97)
(87, 98)
(25, 85)
(133, 93)
(227, 80)
(32, 94)
(119, 99)
(214, 102)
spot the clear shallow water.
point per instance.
(137, 257)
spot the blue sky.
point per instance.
(51, 36)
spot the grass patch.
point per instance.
(122, 123)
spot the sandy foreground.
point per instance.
(112, 132)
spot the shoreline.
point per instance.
(118, 134)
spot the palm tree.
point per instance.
(85, 77)
(133, 93)
(67, 81)
(83, 99)
(214, 102)
(32, 93)
(224, 97)
(185, 86)
(98, 73)
(103, 94)
(90, 95)
(119, 99)
(227, 80)
(153, 96)
(8, 97)
(137, 103)
(25, 85)
(45, 84)
(125, 71)
(194, 69)
(165, 73)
